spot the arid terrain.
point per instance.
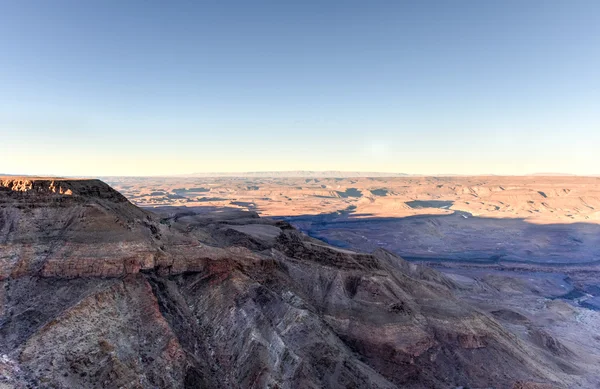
(536, 199)
(500, 220)
(523, 247)
(300, 194)
(178, 283)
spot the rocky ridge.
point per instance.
(97, 293)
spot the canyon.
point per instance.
(145, 289)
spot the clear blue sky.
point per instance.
(148, 87)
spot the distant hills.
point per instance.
(353, 174)
(316, 174)
(299, 173)
(552, 174)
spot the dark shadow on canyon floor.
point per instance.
(458, 237)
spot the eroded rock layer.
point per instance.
(97, 293)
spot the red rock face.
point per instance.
(97, 293)
(56, 190)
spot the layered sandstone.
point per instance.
(97, 293)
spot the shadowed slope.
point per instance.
(98, 293)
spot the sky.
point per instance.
(93, 88)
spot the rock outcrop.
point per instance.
(97, 293)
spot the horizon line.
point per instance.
(306, 174)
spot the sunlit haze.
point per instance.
(142, 88)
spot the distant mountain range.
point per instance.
(553, 174)
(352, 174)
(299, 173)
(315, 174)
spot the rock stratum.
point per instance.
(98, 293)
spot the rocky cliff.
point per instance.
(97, 293)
